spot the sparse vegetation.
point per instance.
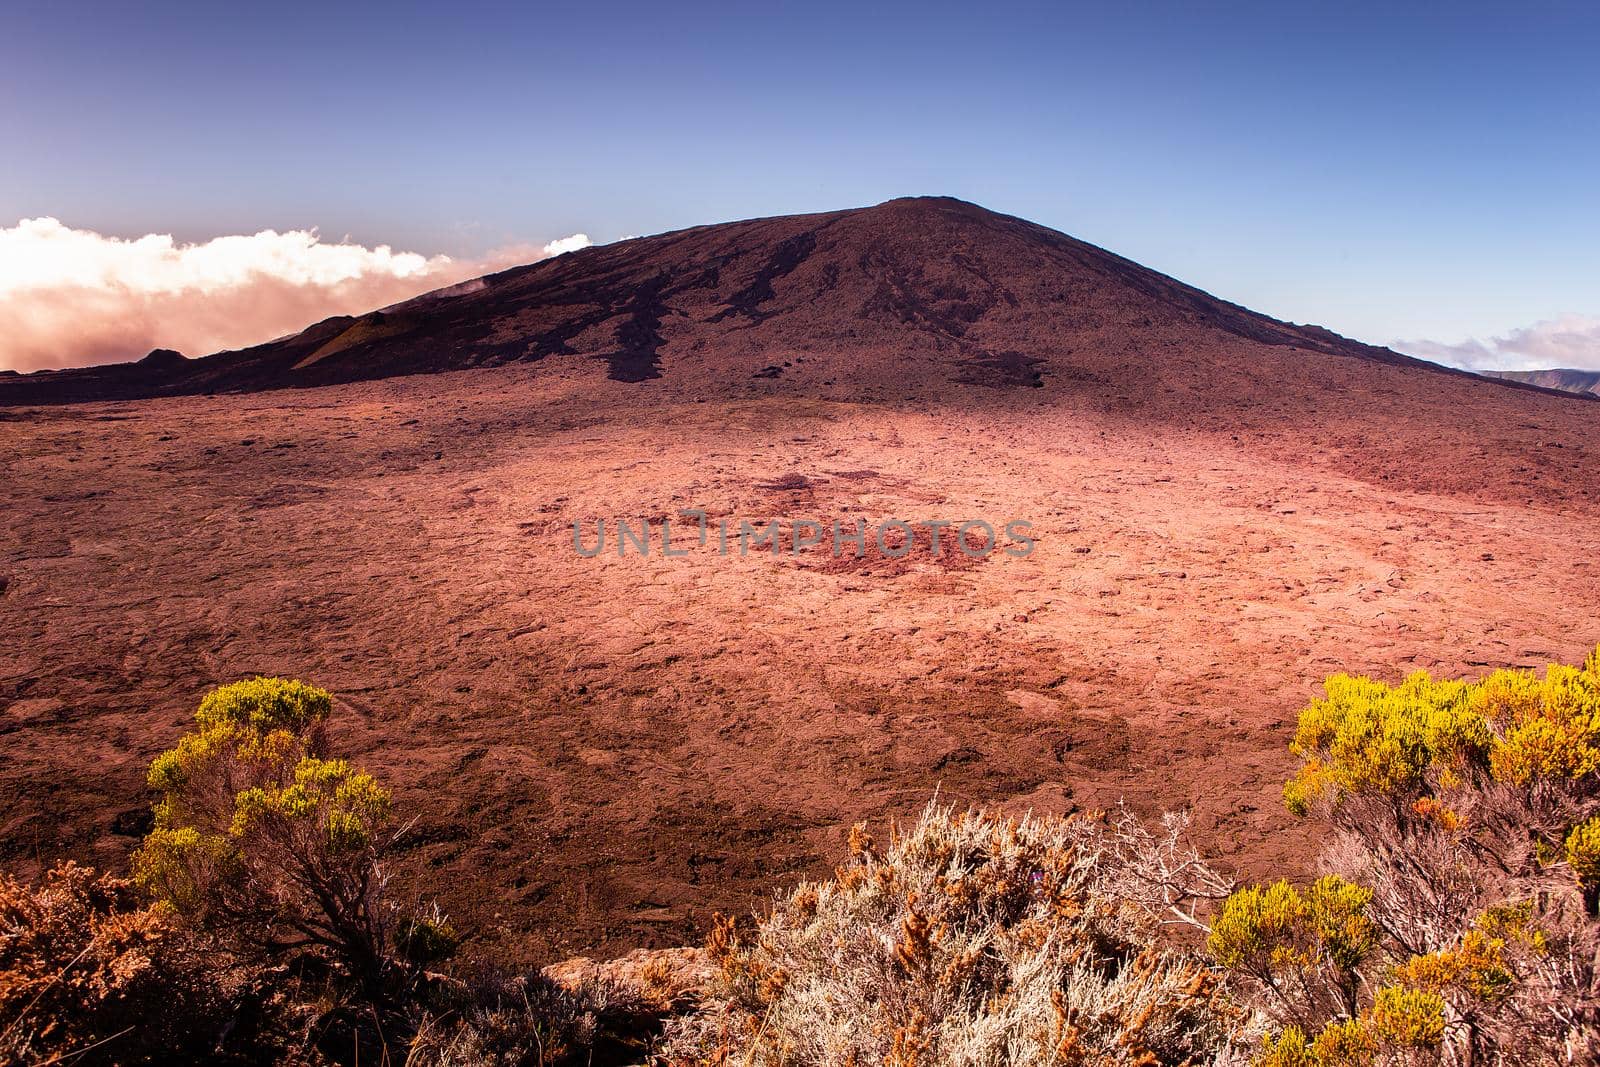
(1454, 924)
(262, 837)
(85, 965)
(500, 1019)
(1467, 814)
(970, 938)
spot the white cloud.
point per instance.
(1570, 341)
(75, 297)
(562, 245)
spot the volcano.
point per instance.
(909, 295)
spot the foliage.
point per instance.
(86, 972)
(1455, 922)
(263, 869)
(972, 939)
(499, 1019)
(1301, 950)
(1583, 853)
(1447, 744)
(1470, 815)
(260, 835)
(426, 937)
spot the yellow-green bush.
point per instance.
(1547, 728)
(1339, 1044)
(1483, 980)
(1471, 810)
(260, 835)
(1365, 737)
(1401, 1025)
(341, 805)
(1407, 1018)
(1431, 751)
(1301, 950)
(1583, 852)
(264, 705)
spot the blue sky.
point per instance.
(1423, 174)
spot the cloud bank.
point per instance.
(76, 297)
(1569, 342)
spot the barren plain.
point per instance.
(599, 752)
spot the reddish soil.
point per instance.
(600, 751)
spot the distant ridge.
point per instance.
(1585, 382)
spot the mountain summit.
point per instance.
(911, 294)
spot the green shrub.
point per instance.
(1470, 815)
(1302, 950)
(262, 836)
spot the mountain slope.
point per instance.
(909, 294)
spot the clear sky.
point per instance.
(1431, 173)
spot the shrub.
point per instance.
(88, 974)
(426, 937)
(1405, 1019)
(261, 836)
(1455, 923)
(1403, 1028)
(1339, 1043)
(1301, 951)
(499, 1019)
(972, 939)
(1365, 739)
(1470, 814)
